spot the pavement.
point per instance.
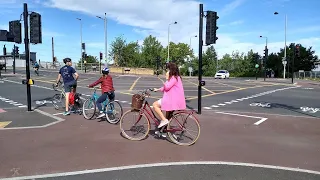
(249, 130)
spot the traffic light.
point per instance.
(4, 50)
(35, 28)
(101, 55)
(266, 53)
(83, 46)
(297, 50)
(15, 30)
(211, 27)
(16, 50)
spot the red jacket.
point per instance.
(106, 84)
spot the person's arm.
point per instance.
(75, 73)
(169, 84)
(95, 83)
(59, 77)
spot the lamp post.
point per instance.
(80, 41)
(105, 38)
(266, 56)
(169, 39)
(284, 61)
(190, 40)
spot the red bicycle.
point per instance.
(142, 112)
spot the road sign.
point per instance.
(284, 62)
(257, 65)
(190, 69)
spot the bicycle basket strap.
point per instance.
(137, 101)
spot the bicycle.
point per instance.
(142, 109)
(60, 99)
(109, 108)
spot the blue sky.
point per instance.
(240, 24)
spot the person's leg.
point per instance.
(100, 100)
(157, 109)
(67, 89)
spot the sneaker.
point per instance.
(163, 123)
(66, 113)
(101, 115)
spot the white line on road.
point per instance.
(91, 171)
(241, 115)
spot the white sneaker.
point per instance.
(101, 115)
(163, 122)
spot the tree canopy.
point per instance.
(239, 64)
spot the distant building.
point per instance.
(20, 59)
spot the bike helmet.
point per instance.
(105, 70)
(65, 60)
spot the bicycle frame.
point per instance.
(147, 110)
(95, 97)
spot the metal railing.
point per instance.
(307, 75)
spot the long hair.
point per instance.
(173, 70)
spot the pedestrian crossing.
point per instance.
(13, 103)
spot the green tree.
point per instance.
(151, 48)
(178, 53)
(116, 51)
(131, 55)
(209, 62)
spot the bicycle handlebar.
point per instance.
(146, 92)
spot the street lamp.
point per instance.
(284, 61)
(190, 40)
(169, 39)
(105, 37)
(80, 41)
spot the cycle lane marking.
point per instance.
(261, 119)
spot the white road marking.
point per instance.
(214, 106)
(241, 115)
(207, 108)
(221, 104)
(140, 166)
(228, 102)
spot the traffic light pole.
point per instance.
(200, 56)
(27, 51)
(292, 68)
(14, 59)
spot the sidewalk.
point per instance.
(21, 119)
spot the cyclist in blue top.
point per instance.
(36, 67)
(67, 72)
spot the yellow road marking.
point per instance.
(48, 81)
(234, 90)
(4, 124)
(201, 87)
(134, 83)
(86, 79)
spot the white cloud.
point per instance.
(51, 33)
(237, 22)
(154, 20)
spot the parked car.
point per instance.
(222, 74)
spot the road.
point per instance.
(248, 128)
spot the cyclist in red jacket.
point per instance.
(106, 88)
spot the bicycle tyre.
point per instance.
(58, 101)
(130, 114)
(116, 120)
(85, 115)
(174, 140)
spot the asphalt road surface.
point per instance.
(273, 123)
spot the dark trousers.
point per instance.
(103, 97)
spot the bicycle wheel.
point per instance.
(130, 120)
(114, 112)
(89, 105)
(58, 101)
(177, 125)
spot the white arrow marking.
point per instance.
(241, 115)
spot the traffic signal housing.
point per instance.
(4, 50)
(101, 56)
(211, 27)
(35, 28)
(15, 30)
(16, 50)
(266, 53)
(297, 50)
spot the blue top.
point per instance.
(36, 64)
(67, 73)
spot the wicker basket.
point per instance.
(137, 102)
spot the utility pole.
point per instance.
(27, 52)
(52, 44)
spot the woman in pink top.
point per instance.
(173, 94)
